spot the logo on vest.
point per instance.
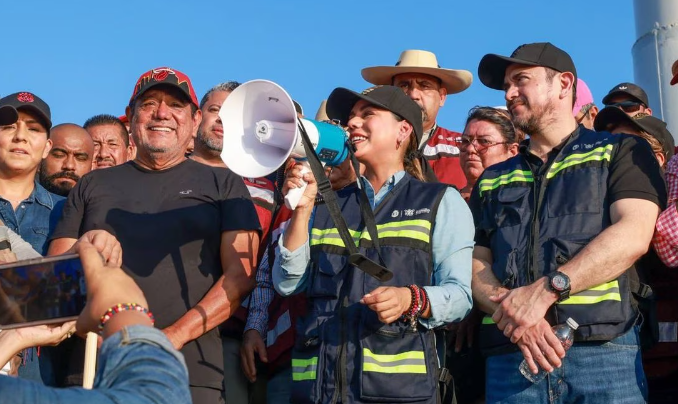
(395, 213)
(409, 212)
(575, 147)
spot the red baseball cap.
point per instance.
(674, 72)
(164, 75)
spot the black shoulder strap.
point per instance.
(356, 259)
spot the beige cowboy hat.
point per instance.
(321, 115)
(419, 61)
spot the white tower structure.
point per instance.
(655, 50)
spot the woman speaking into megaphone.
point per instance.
(366, 340)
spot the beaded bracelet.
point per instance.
(123, 307)
(413, 312)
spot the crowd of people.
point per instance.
(546, 209)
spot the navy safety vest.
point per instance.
(537, 224)
(343, 353)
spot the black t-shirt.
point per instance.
(169, 224)
(633, 173)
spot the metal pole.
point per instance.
(655, 50)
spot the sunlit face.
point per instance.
(529, 96)
(373, 131)
(109, 145)
(162, 123)
(69, 159)
(23, 144)
(211, 131)
(425, 90)
(483, 145)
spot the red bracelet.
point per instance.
(426, 303)
(123, 307)
(415, 309)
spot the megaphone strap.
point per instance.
(377, 271)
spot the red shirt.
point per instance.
(442, 153)
(665, 240)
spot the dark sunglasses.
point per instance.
(627, 106)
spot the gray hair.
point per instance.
(227, 86)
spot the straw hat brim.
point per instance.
(454, 81)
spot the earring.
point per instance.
(398, 143)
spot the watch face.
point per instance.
(559, 282)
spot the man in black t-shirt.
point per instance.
(189, 232)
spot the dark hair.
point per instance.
(501, 119)
(551, 73)
(411, 160)
(227, 86)
(106, 119)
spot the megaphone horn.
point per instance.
(261, 133)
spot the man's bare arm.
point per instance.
(484, 283)
(60, 246)
(238, 257)
(610, 254)
(605, 258)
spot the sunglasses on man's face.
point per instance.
(627, 106)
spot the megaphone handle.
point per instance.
(294, 195)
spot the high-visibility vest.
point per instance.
(343, 352)
(537, 224)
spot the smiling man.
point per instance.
(69, 159)
(189, 231)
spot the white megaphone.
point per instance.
(261, 133)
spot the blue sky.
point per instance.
(83, 57)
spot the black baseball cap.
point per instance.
(492, 68)
(342, 100)
(611, 117)
(11, 104)
(629, 89)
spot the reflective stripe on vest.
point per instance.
(487, 320)
(596, 294)
(406, 362)
(304, 369)
(414, 229)
(283, 324)
(597, 154)
(514, 176)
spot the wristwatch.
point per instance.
(559, 283)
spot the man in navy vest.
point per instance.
(558, 228)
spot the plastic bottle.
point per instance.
(565, 333)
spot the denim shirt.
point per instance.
(35, 218)
(137, 365)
